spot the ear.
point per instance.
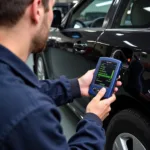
(36, 10)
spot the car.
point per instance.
(63, 7)
(110, 28)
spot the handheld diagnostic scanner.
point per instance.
(105, 75)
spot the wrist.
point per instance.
(93, 117)
(80, 85)
(75, 88)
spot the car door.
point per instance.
(72, 45)
(130, 34)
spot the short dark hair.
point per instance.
(11, 11)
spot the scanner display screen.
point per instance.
(105, 73)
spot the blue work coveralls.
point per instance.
(29, 117)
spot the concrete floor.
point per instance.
(69, 120)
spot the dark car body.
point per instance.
(64, 8)
(75, 47)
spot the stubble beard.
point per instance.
(39, 41)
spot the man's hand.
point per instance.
(86, 80)
(99, 107)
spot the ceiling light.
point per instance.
(147, 8)
(75, 1)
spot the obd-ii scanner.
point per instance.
(105, 75)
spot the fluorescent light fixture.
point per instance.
(103, 4)
(130, 44)
(75, 1)
(147, 8)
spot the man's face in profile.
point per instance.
(40, 39)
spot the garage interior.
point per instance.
(69, 119)
(75, 74)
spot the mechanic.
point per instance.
(29, 118)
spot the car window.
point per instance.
(90, 14)
(63, 8)
(136, 15)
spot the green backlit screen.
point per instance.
(105, 73)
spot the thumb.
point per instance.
(93, 70)
(100, 94)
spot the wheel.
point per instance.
(40, 68)
(128, 130)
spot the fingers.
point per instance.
(115, 89)
(92, 71)
(111, 99)
(109, 109)
(100, 108)
(118, 77)
(119, 83)
(100, 94)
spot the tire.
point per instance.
(40, 67)
(127, 128)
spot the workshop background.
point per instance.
(103, 28)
